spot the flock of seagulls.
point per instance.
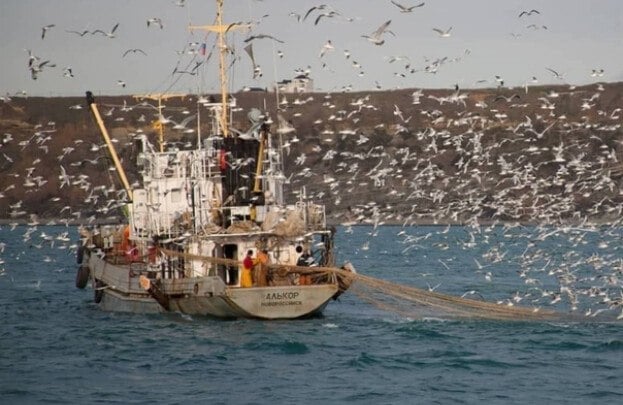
(529, 175)
(493, 162)
(36, 66)
(316, 15)
(379, 37)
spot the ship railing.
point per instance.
(275, 274)
(149, 224)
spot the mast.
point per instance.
(221, 30)
(160, 97)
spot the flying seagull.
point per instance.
(45, 29)
(67, 72)
(442, 33)
(533, 11)
(406, 9)
(597, 72)
(328, 46)
(135, 50)
(36, 68)
(261, 36)
(81, 33)
(319, 7)
(375, 37)
(110, 34)
(507, 99)
(329, 15)
(155, 20)
(295, 15)
(555, 73)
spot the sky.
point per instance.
(488, 43)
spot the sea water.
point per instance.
(56, 346)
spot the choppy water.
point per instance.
(57, 347)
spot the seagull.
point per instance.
(67, 72)
(110, 34)
(540, 134)
(64, 178)
(555, 73)
(533, 11)
(45, 29)
(472, 292)
(443, 34)
(135, 50)
(597, 72)
(375, 37)
(32, 58)
(508, 99)
(329, 14)
(328, 46)
(184, 123)
(406, 9)
(121, 83)
(36, 68)
(262, 36)
(319, 7)
(480, 266)
(81, 33)
(398, 113)
(433, 288)
(285, 127)
(155, 20)
(393, 59)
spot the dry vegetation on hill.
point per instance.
(548, 154)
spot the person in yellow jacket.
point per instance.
(247, 265)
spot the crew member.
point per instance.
(306, 260)
(247, 265)
(261, 269)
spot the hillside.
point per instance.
(545, 155)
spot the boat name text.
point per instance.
(280, 299)
(290, 295)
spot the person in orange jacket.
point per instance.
(261, 269)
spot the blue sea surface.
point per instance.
(56, 346)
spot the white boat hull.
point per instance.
(117, 288)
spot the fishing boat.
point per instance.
(208, 230)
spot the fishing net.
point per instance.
(418, 303)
